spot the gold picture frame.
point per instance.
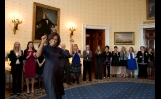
(150, 9)
(39, 13)
(124, 38)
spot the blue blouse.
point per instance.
(76, 58)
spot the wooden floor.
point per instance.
(8, 90)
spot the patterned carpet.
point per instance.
(113, 88)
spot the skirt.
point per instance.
(131, 64)
(75, 69)
(123, 63)
(150, 64)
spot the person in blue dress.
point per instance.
(51, 74)
(75, 67)
(131, 62)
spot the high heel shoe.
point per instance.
(32, 91)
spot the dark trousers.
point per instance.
(16, 78)
(142, 70)
(98, 70)
(65, 68)
(86, 67)
(108, 70)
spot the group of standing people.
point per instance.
(46, 62)
(24, 60)
(51, 62)
(125, 59)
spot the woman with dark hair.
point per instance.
(115, 61)
(106, 58)
(150, 61)
(40, 61)
(30, 64)
(142, 62)
(51, 73)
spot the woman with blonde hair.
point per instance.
(75, 67)
(131, 62)
(123, 61)
(98, 67)
(16, 58)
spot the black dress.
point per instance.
(39, 70)
(51, 73)
(151, 58)
(115, 59)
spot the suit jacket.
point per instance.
(145, 57)
(105, 56)
(99, 57)
(44, 29)
(44, 26)
(85, 55)
(125, 56)
(64, 60)
(13, 58)
(151, 56)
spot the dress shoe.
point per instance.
(18, 94)
(12, 94)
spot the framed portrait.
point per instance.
(46, 19)
(124, 38)
(150, 7)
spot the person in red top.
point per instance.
(30, 64)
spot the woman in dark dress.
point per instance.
(40, 61)
(99, 59)
(16, 58)
(115, 61)
(150, 61)
(51, 73)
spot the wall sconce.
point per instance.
(72, 30)
(16, 23)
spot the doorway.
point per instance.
(94, 38)
(149, 35)
(149, 39)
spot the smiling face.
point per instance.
(75, 47)
(106, 49)
(17, 45)
(115, 49)
(53, 41)
(87, 47)
(30, 45)
(142, 48)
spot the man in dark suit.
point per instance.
(87, 56)
(45, 27)
(65, 66)
(142, 56)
